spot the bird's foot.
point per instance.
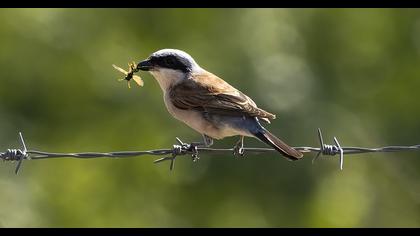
(238, 149)
(193, 148)
(190, 148)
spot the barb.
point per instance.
(182, 149)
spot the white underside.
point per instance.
(195, 120)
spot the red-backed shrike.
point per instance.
(208, 104)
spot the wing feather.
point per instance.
(207, 92)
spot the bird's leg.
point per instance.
(238, 149)
(207, 142)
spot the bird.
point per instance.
(208, 104)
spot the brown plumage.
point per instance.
(210, 93)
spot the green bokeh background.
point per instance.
(355, 73)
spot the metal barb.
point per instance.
(341, 153)
(179, 141)
(329, 150)
(16, 154)
(172, 165)
(180, 149)
(23, 153)
(321, 143)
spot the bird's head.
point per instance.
(169, 66)
(169, 59)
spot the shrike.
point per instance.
(208, 104)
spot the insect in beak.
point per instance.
(132, 68)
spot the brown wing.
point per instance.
(207, 92)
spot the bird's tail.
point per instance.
(287, 151)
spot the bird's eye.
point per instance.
(169, 61)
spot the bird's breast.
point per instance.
(197, 121)
(192, 118)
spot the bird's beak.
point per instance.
(145, 65)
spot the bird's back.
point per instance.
(207, 92)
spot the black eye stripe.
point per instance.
(172, 62)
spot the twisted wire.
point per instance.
(181, 149)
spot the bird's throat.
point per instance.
(167, 77)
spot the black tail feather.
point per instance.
(287, 151)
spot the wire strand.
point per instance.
(182, 149)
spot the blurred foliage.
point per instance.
(353, 72)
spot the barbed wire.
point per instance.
(182, 149)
